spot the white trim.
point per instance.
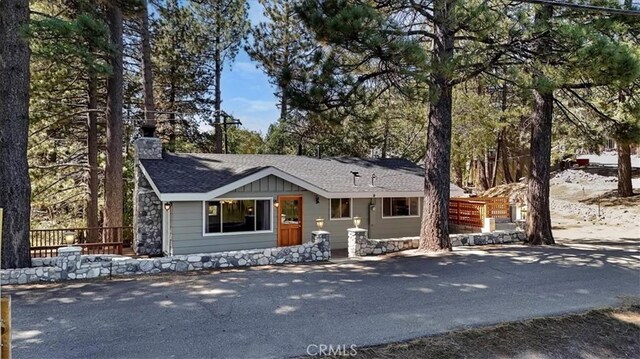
(350, 210)
(395, 217)
(153, 185)
(222, 234)
(166, 231)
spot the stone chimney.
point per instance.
(147, 207)
(148, 148)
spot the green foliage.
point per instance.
(243, 141)
(283, 48)
(182, 74)
(69, 44)
(223, 24)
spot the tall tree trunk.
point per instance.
(113, 193)
(496, 160)
(434, 231)
(15, 186)
(538, 212)
(284, 108)
(484, 178)
(170, 128)
(385, 137)
(459, 176)
(92, 157)
(625, 186)
(149, 103)
(503, 145)
(218, 100)
(508, 178)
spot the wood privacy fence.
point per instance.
(99, 240)
(466, 212)
(472, 211)
(497, 207)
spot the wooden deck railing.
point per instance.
(100, 240)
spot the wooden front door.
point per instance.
(289, 220)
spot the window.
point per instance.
(230, 216)
(340, 208)
(400, 207)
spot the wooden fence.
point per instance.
(101, 240)
(497, 207)
(465, 212)
(472, 211)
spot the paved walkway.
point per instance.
(279, 311)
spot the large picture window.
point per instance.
(340, 208)
(400, 207)
(241, 215)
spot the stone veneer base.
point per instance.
(360, 245)
(71, 265)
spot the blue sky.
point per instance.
(246, 91)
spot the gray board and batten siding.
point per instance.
(187, 220)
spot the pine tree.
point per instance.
(182, 76)
(590, 55)
(69, 44)
(224, 27)
(282, 47)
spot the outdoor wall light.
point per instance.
(317, 199)
(276, 204)
(69, 238)
(372, 207)
(320, 223)
(167, 206)
(356, 222)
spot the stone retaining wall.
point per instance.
(360, 245)
(71, 265)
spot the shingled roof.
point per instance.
(203, 173)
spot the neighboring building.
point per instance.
(199, 203)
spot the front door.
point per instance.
(289, 220)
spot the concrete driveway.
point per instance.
(280, 311)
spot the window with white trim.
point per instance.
(340, 208)
(241, 215)
(400, 207)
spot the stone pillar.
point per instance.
(147, 207)
(489, 225)
(356, 240)
(69, 260)
(323, 238)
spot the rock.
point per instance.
(146, 265)
(181, 266)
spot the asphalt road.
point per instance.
(280, 311)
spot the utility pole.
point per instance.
(233, 121)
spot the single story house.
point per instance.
(200, 203)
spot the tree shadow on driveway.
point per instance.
(277, 311)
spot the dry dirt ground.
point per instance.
(603, 333)
(585, 210)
